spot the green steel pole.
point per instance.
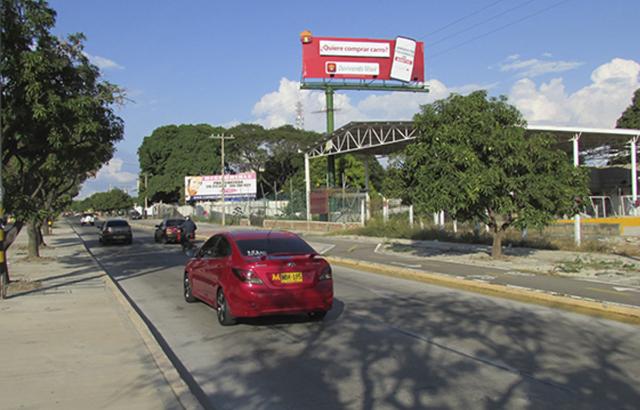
(331, 164)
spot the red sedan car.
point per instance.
(258, 273)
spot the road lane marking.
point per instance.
(406, 265)
(620, 289)
(610, 292)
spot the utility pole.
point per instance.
(4, 273)
(222, 137)
(146, 194)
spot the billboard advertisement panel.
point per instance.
(401, 59)
(209, 187)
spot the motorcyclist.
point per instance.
(188, 231)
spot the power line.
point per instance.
(519, 6)
(462, 18)
(528, 16)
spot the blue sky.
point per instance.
(572, 62)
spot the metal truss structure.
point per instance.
(372, 137)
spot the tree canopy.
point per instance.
(630, 118)
(58, 123)
(109, 201)
(472, 160)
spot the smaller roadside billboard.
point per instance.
(209, 187)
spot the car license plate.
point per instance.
(118, 237)
(289, 277)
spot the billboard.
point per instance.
(209, 187)
(401, 59)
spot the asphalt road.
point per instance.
(387, 343)
(585, 289)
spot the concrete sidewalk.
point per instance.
(70, 341)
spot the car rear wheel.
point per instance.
(188, 295)
(224, 316)
(317, 316)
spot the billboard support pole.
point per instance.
(307, 185)
(331, 161)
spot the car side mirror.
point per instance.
(158, 226)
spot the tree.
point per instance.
(630, 118)
(172, 152)
(473, 160)
(110, 201)
(58, 123)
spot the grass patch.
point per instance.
(398, 228)
(580, 264)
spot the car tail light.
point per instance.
(247, 276)
(326, 274)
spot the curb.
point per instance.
(178, 386)
(610, 311)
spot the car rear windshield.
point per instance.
(270, 246)
(174, 222)
(117, 223)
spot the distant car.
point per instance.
(115, 230)
(87, 219)
(258, 273)
(135, 215)
(169, 230)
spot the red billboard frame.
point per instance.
(357, 58)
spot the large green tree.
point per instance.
(172, 152)
(473, 160)
(58, 123)
(630, 118)
(110, 201)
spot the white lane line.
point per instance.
(483, 278)
(406, 265)
(377, 248)
(623, 289)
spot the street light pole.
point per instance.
(222, 137)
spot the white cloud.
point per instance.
(279, 107)
(534, 67)
(104, 63)
(111, 175)
(598, 104)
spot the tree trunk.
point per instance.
(496, 249)
(33, 232)
(40, 236)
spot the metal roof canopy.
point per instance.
(386, 137)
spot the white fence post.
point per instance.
(455, 226)
(363, 214)
(411, 215)
(385, 210)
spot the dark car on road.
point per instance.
(115, 230)
(259, 273)
(169, 230)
